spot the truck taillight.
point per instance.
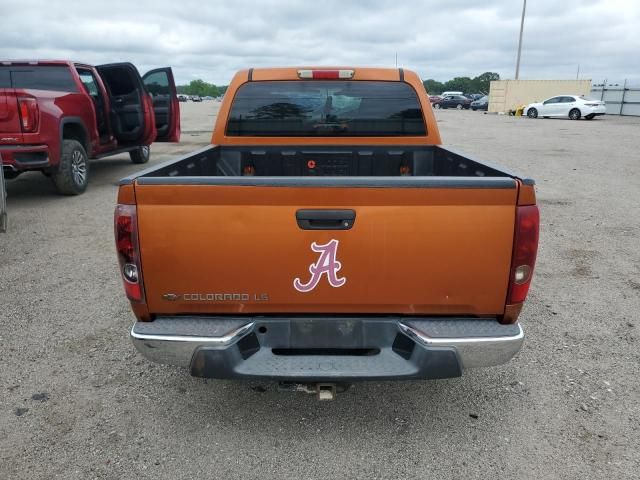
(29, 114)
(525, 248)
(128, 248)
(326, 74)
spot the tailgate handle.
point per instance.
(325, 219)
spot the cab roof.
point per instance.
(291, 73)
(38, 62)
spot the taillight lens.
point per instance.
(128, 248)
(525, 248)
(29, 114)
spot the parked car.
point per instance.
(480, 104)
(196, 98)
(182, 97)
(453, 101)
(474, 96)
(56, 115)
(382, 255)
(435, 98)
(446, 94)
(566, 106)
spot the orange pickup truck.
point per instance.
(326, 236)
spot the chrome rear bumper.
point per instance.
(311, 348)
(475, 352)
(174, 349)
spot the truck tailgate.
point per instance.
(431, 249)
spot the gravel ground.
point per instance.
(77, 401)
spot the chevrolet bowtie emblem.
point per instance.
(170, 296)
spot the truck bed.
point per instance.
(210, 164)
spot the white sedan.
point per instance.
(567, 106)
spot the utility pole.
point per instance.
(524, 8)
(578, 72)
(396, 59)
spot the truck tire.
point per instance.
(459, 106)
(72, 175)
(140, 154)
(532, 113)
(575, 114)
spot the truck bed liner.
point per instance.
(304, 164)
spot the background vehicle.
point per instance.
(474, 96)
(196, 98)
(182, 97)
(567, 106)
(446, 94)
(480, 104)
(343, 244)
(454, 101)
(55, 115)
(434, 98)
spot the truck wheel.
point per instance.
(72, 175)
(437, 106)
(459, 106)
(532, 113)
(574, 114)
(140, 154)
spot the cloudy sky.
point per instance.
(439, 39)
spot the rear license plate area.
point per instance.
(325, 333)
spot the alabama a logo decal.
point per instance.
(327, 264)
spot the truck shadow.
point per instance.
(29, 185)
(35, 185)
(105, 171)
(389, 409)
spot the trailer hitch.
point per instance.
(324, 391)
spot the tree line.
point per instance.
(202, 89)
(479, 84)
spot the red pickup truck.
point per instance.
(56, 115)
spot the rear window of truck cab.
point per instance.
(330, 108)
(37, 77)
